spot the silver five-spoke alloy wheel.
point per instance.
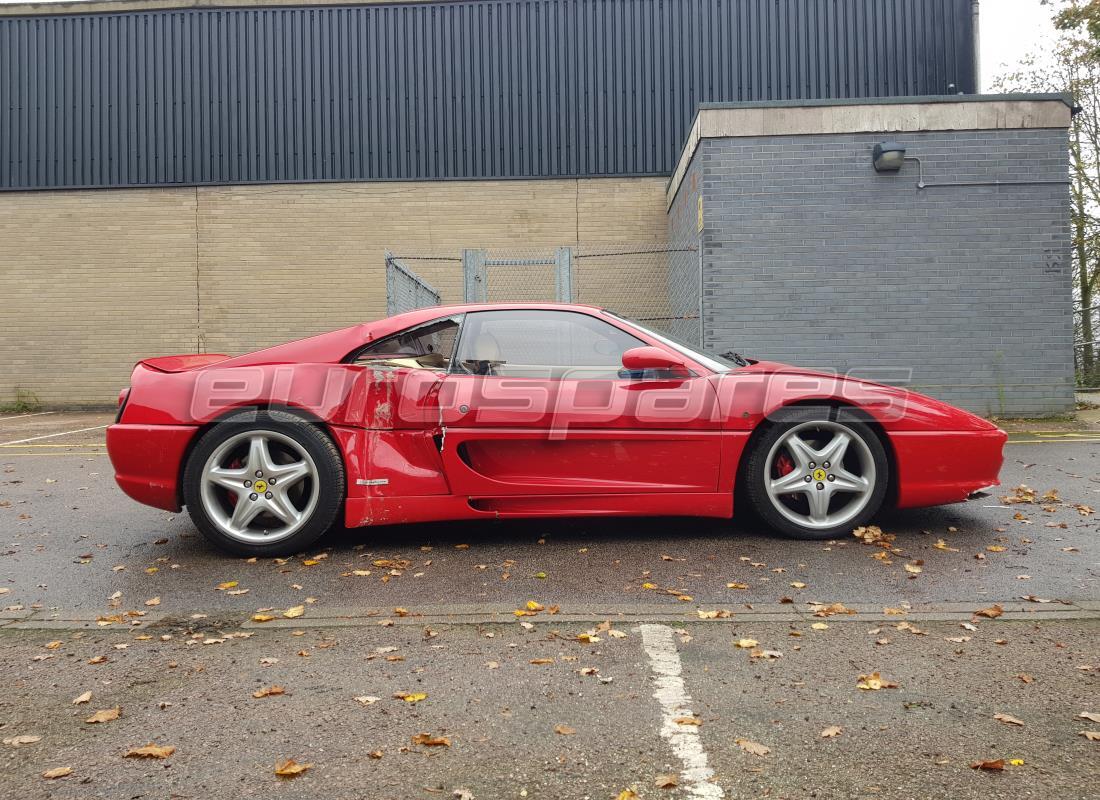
(259, 486)
(819, 475)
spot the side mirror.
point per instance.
(639, 359)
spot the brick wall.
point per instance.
(684, 274)
(812, 257)
(94, 280)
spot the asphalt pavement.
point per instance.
(974, 610)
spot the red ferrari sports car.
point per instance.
(525, 410)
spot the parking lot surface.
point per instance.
(627, 640)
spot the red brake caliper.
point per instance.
(783, 465)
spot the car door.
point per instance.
(537, 403)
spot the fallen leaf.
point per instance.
(428, 740)
(1091, 716)
(1092, 736)
(688, 721)
(84, 698)
(752, 748)
(767, 655)
(737, 585)
(874, 682)
(97, 660)
(57, 772)
(410, 697)
(831, 731)
(1008, 719)
(996, 548)
(367, 699)
(104, 715)
(996, 765)
(262, 618)
(715, 614)
(290, 768)
(227, 585)
(617, 634)
(821, 610)
(669, 781)
(1033, 599)
(16, 741)
(153, 601)
(541, 661)
(268, 691)
(627, 794)
(294, 612)
(746, 644)
(942, 545)
(798, 585)
(149, 751)
(820, 626)
(533, 606)
(913, 568)
(992, 612)
(375, 754)
(564, 730)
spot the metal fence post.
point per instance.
(565, 274)
(391, 290)
(473, 268)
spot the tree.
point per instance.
(1074, 67)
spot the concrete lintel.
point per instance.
(870, 115)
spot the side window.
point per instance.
(429, 346)
(532, 343)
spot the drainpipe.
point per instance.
(977, 36)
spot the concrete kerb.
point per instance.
(621, 616)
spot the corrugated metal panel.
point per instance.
(475, 89)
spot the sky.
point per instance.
(1010, 29)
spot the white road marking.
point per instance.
(53, 435)
(21, 416)
(664, 660)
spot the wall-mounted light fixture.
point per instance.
(888, 157)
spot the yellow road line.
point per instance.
(1051, 441)
(82, 444)
(43, 455)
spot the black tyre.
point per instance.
(264, 483)
(816, 473)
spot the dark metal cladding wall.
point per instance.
(482, 88)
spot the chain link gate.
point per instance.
(405, 290)
(476, 265)
(657, 284)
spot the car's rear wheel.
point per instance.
(264, 483)
(816, 473)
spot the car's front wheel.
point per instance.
(816, 473)
(264, 483)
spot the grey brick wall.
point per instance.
(811, 257)
(683, 263)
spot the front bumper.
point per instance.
(147, 461)
(937, 467)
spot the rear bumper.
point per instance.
(946, 466)
(147, 461)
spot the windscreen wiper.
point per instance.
(736, 358)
